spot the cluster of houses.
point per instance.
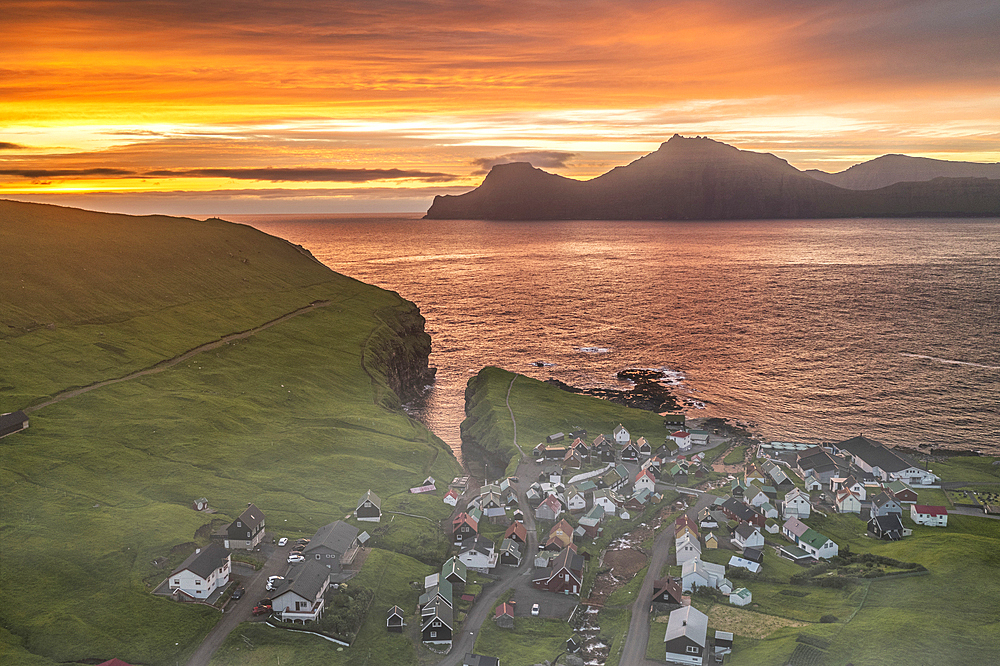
(436, 605)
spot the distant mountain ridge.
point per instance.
(891, 169)
(699, 178)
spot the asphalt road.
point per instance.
(240, 611)
(637, 638)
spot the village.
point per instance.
(547, 542)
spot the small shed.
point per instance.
(504, 616)
(394, 620)
(369, 508)
(12, 422)
(200, 504)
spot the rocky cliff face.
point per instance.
(398, 353)
(692, 179)
(891, 169)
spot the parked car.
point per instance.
(535, 610)
(266, 601)
(303, 542)
(261, 610)
(238, 593)
(282, 541)
(294, 558)
(298, 549)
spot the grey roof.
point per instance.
(306, 579)
(372, 497)
(204, 561)
(337, 536)
(439, 610)
(687, 621)
(479, 660)
(480, 543)
(876, 454)
(252, 517)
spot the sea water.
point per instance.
(812, 330)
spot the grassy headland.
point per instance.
(301, 418)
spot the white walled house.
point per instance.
(740, 597)
(621, 435)
(682, 438)
(847, 502)
(933, 516)
(686, 638)
(797, 504)
(202, 573)
(688, 548)
(300, 596)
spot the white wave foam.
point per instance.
(950, 361)
(593, 350)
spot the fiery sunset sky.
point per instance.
(198, 108)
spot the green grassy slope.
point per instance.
(541, 410)
(294, 419)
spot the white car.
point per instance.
(295, 558)
(535, 609)
(272, 581)
(282, 541)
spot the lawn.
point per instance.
(531, 641)
(299, 419)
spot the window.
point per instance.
(197, 582)
(692, 649)
(177, 581)
(434, 634)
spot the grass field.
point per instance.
(541, 410)
(296, 419)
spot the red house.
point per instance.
(565, 574)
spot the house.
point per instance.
(201, 573)
(441, 591)
(902, 492)
(753, 475)
(576, 501)
(557, 437)
(754, 496)
(846, 501)
(741, 512)
(621, 435)
(617, 478)
(299, 597)
(688, 548)
(884, 503)
(686, 637)
(200, 504)
(793, 529)
(334, 544)
(852, 483)
(504, 616)
(549, 508)
(246, 531)
(491, 501)
(638, 501)
(682, 439)
(604, 449)
(696, 573)
(608, 500)
(754, 555)
(776, 476)
(463, 527)
(817, 545)
(747, 536)
(796, 503)
(818, 462)
(559, 537)
(711, 541)
(645, 450)
(772, 526)
(667, 591)
(564, 574)
(472, 659)
(509, 553)
(723, 643)
(738, 489)
(644, 479)
(582, 448)
(889, 526)
(451, 498)
(673, 421)
(369, 508)
(517, 532)
(573, 459)
(479, 554)
(740, 597)
(699, 437)
(454, 570)
(12, 422)
(812, 483)
(394, 620)
(685, 521)
(436, 627)
(591, 521)
(630, 453)
(932, 516)
(884, 463)
(744, 563)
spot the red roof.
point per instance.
(504, 609)
(931, 510)
(680, 433)
(114, 662)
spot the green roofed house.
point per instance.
(454, 571)
(740, 597)
(817, 545)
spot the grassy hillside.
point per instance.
(541, 410)
(296, 419)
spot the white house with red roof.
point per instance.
(682, 438)
(932, 516)
(549, 509)
(847, 502)
(644, 480)
(451, 498)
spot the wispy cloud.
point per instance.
(4, 145)
(542, 159)
(271, 175)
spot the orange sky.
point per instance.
(250, 106)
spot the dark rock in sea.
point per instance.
(701, 179)
(648, 393)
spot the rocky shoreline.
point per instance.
(648, 391)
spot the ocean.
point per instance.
(810, 330)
